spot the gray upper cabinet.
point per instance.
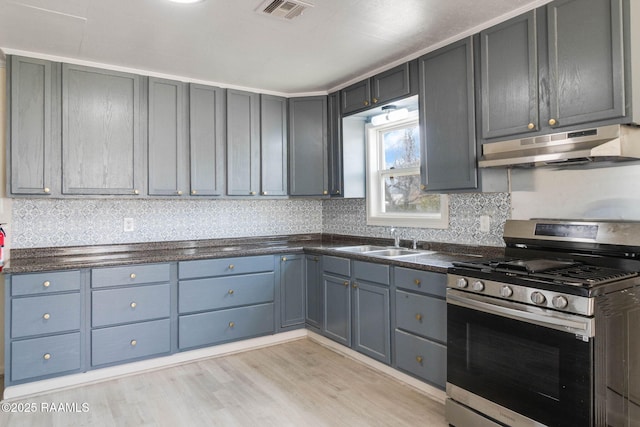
(509, 73)
(206, 140)
(586, 63)
(398, 82)
(447, 118)
(167, 139)
(33, 126)
(243, 143)
(308, 161)
(273, 142)
(101, 143)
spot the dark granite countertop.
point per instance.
(75, 257)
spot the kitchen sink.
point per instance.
(395, 252)
(384, 252)
(361, 248)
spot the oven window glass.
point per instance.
(538, 372)
(510, 359)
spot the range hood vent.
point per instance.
(606, 143)
(284, 9)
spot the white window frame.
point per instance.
(375, 184)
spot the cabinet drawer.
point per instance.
(45, 356)
(225, 266)
(45, 283)
(423, 358)
(336, 265)
(129, 275)
(127, 342)
(214, 327)
(223, 292)
(422, 315)
(377, 273)
(112, 306)
(45, 315)
(426, 282)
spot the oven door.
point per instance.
(517, 363)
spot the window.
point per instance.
(393, 185)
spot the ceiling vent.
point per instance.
(284, 9)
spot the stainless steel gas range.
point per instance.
(550, 334)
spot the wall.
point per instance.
(349, 217)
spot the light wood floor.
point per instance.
(299, 383)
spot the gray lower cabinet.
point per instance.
(447, 118)
(102, 148)
(243, 143)
(313, 291)
(356, 306)
(292, 292)
(207, 131)
(167, 148)
(420, 333)
(43, 325)
(130, 313)
(34, 126)
(225, 299)
(308, 156)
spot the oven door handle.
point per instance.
(582, 326)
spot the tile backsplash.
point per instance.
(63, 222)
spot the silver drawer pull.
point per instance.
(132, 275)
(46, 316)
(46, 356)
(232, 324)
(133, 304)
(133, 343)
(46, 284)
(230, 292)
(419, 359)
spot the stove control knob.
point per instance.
(478, 286)
(538, 298)
(462, 282)
(506, 291)
(559, 301)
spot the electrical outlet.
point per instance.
(485, 223)
(127, 224)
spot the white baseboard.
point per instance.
(105, 374)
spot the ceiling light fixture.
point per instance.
(389, 114)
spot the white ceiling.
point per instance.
(226, 42)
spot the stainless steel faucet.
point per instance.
(396, 237)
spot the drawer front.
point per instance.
(45, 283)
(423, 358)
(225, 266)
(224, 292)
(201, 329)
(377, 273)
(112, 306)
(422, 315)
(45, 315)
(129, 275)
(127, 342)
(426, 282)
(45, 356)
(336, 265)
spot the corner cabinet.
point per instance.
(447, 118)
(102, 147)
(308, 156)
(313, 292)
(292, 292)
(34, 126)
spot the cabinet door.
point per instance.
(356, 97)
(292, 300)
(371, 321)
(391, 84)
(33, 124)
(308, 146)
(167, 140)
(337, 309)
(101, 144)
(585, 61)
(334, 146)
(313, 294)
(206, 140)
(273, 143)
(447, 118)
(509, 77)
(243, 143)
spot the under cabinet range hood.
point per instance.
(606, 143)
